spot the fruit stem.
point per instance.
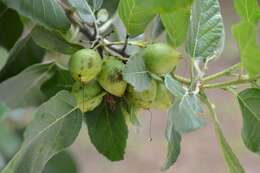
(140, 44)
(222, 73)
(241, 80)
(182, 79)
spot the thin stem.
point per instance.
(211, 108)
(191, 69)
(222, 73)
(132, 43)
(232, 82)
(182, 79)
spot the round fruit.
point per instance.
(85, 65)
(110, 77)
(163, 99)
(160, 58)
(88, 96)
(143, 99)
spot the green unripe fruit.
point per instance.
(163, 99)
(160, 58)
(110, 77)
(143, 99)
(88, 96)
(85, 65)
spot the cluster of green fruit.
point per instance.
(96, 77)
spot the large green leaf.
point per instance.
(176, 25)
(184, 113)
(61, 80)
(55, 127)
(24, 53)
(53, 41)
(248, 10)
(245, 34)
(136, 74)
(63, 162)
(3, 57)
(46, 12)
(108, 130)
(24, 89)
(11, 27)
(136, 15)
(174, 145)
(249, 101)
(206, 31)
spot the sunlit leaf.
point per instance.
(176, 25)
(245, 34)
(248, 10)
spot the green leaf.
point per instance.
(176, 25)
(53, 41)
(61, 163)
(136, 15)
(168, 6)
(95, 4)
(110, 6)
(248, 10)
(249, 101)
(155, 30)
(185, 109)
(61, 80)
(206, 31)
(24, 89)
(3, 57)
(108, 131)
(130, 112)
(55, 127)
(174, 86)
(9, 142)
(245, 34)
(11, 27)
(174, 145)
(136, 74)
(48, 12)
(24, 53)
(229, 156)
(83, 9)
(3, 110)
(185, 112)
